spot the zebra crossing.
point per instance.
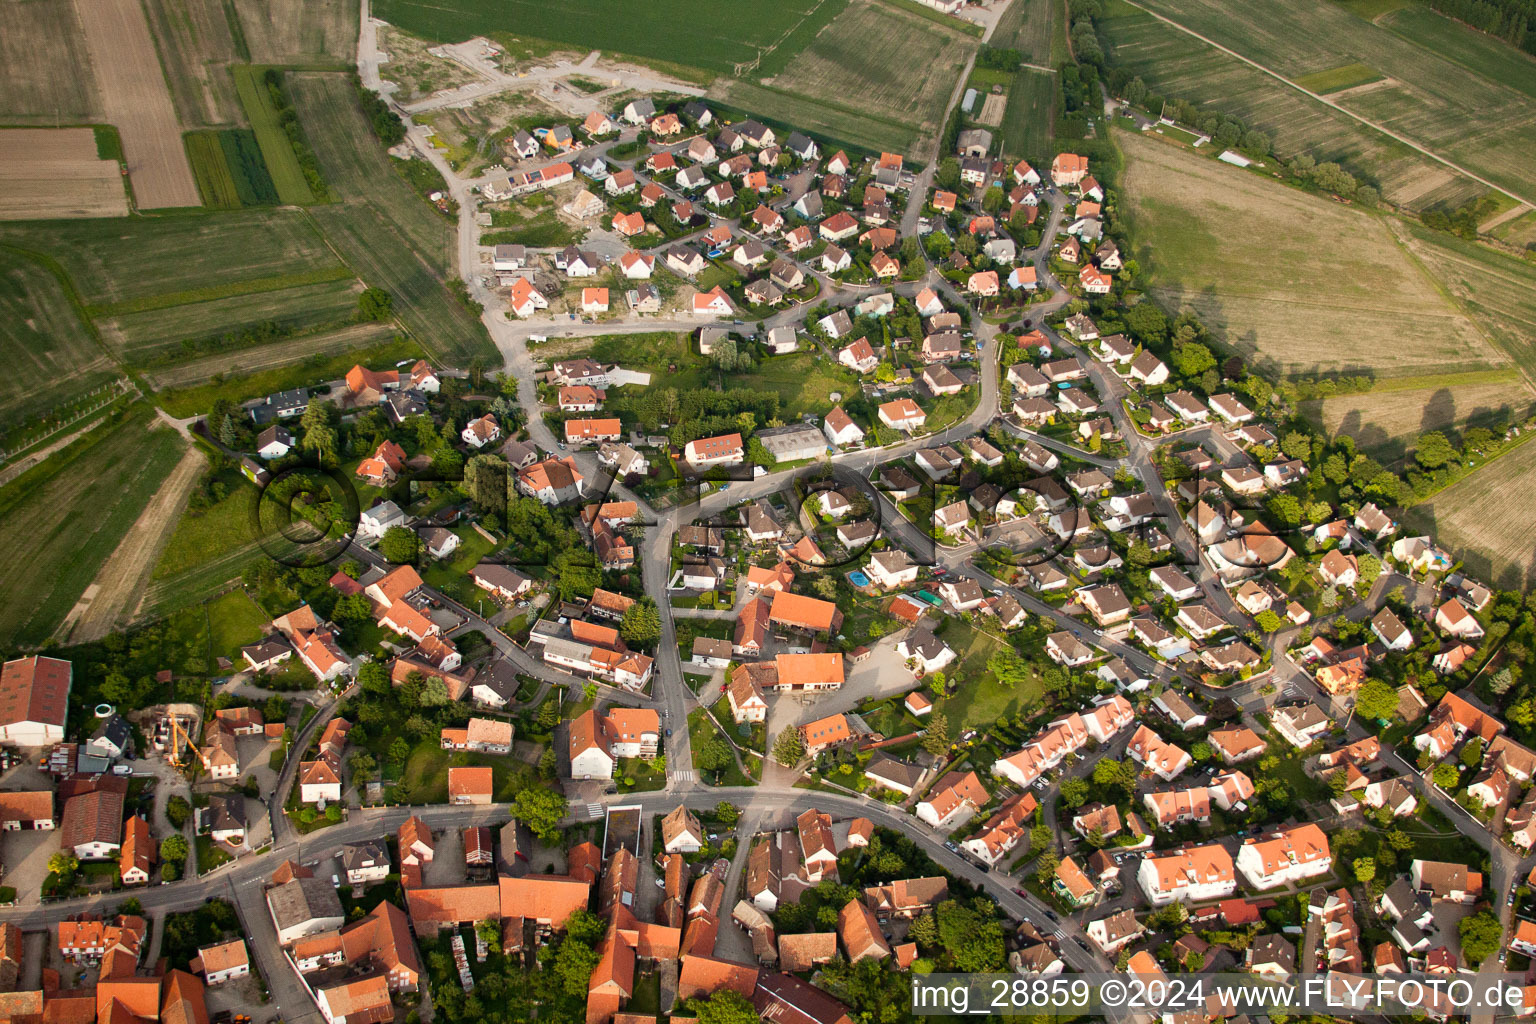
(683, 776)
(594, 810)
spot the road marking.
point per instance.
(686, 776)
(594, 810)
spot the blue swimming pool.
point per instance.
(858, 579)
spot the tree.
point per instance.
(727, 812)
(1074, 792)
(1200, 751)
(1446, 776)
(1268, 621)
(173, 849)
(1433, 450)
(947, 176)
(971, 936)
(936, 739)
(434, 693)
(1375, 699)
(1368, 569)
(725, 1007)
(1193, 359)
(1472, 753)
(178, 811)
(789, 748)
(227, 436)
(63, 864)
(398, 545)
(374, 304)
(641, 625)
(574, 964)
(994, 199)
(541, 810)
(1365, 869)
(711, 754)
(1481, 935)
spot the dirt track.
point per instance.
(137, 100)
(124, 576)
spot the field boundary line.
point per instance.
(194, 296)
(1513, 446)
(1394, 229)
(1389, 133)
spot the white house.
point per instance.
(1285, 857)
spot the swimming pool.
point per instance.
(858, 579)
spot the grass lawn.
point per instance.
(978, 700)
(635, 775)
(753, 735)
(803, 380)
(450, 575)
(701, 728)
(234, 620)
(210, 855)
(424, 779)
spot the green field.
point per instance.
(276, 149)
(229, 169)
(387, 234)
(60, 520)
(1447, 85)
(123, 266)
(1029, 27)
(1029, 121)
(698, 33)
(876, 78)
(169, 335)
(803, 381)
(215, 183)
(1177, 65)
(51, 357)
(234, 620)
(1334, 79)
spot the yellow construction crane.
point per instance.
(178, 737)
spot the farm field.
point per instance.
(1029, 27)
(385, 232)
(156, 336)
(136, 99)
(113, 597)
(126, 265)
(56, 172)
(1386, 421)
(276, 150)
(698, 33)
(229, 168)
(1175, 64)
(37, 39)
(1497, 291)
(1474, 519)
(884, 61)
(1346, 76)
(60, 521)
(1446, 103)
(1283, 291)
(1029, 123)
(49, 355)
(197, 47)
(257, 358)
(838, 123)
(303, 32)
